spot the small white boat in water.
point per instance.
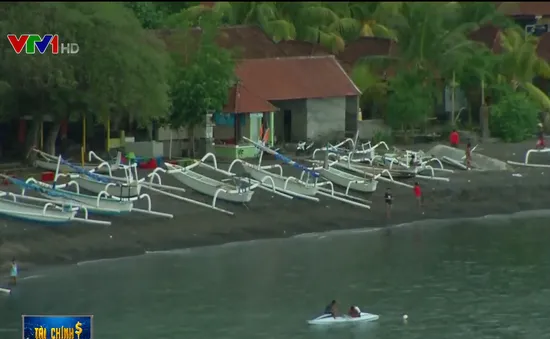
(328, 319)
(5, 290)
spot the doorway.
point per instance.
(287, 123)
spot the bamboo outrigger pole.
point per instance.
(83, 148)
(41, 135)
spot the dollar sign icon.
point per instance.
(78, 329)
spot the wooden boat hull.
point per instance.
(91, 203)
(52, 166)
(209, 186)
(34, 213)
(123, 191)
(292, 185)
(343, 179)
(395, 173)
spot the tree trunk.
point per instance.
(453, 86)
(484, 113)
(32, 140)
(484, 119)
(49, 144)
(193, 142)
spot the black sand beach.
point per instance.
(468, 194)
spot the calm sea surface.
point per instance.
(479, 279)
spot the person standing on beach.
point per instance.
(418, 194)
(454, 138)
(13, 273)
(388, 198)
(540, 135)
(469, 156)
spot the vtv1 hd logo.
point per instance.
(33, 42)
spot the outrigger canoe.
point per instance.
(5, 290)
(327, 319)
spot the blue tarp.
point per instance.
(226, 119)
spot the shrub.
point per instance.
(410, 102)
(514, 117)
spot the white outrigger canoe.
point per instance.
(350, 181)
(328, 319)
(209, 186)
(5, 290)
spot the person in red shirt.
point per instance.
(418, 194)
(454, 138)
(540, 141)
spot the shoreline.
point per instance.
(467, 195)
(522, 214)
(546, 213)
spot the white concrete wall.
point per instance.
(326, 118)
(181, 134)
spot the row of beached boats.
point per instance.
(345, 170)
(95, 190)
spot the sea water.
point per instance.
(485, 278)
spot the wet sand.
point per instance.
(468, 194)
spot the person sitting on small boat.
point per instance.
(354, 312)
(332, 309)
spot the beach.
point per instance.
(468, 194)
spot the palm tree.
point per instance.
(305, 21)
(372, 17)
(520, 64)
(327, 23)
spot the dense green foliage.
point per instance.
(433, 43)
(120, 71)
(125, 73)
(410, 103)
(514, 116)
(202, 81)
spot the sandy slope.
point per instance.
(467, 195)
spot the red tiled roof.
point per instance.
(242, 100)
(489, 36)
(249, 42)
(364, 47)
(543, 48)
(294, 48)
(524, 8)
(296, 78)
